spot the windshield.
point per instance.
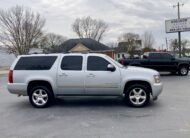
(117, 63)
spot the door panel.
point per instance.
(70, 78)
(102, 83)
(99, 81)
(156, 64)
(163, 62)
(70, 82)
(169, 65)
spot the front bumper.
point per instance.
(157, 89)
(17, 88)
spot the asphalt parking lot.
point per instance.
(95, 117)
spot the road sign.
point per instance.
(178, 25)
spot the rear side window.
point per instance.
(155, 56)
(71, 63)
(166, 56)
(35, 63)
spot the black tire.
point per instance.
(45, 92)
(183, 70)
(129, 93)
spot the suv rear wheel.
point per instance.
(137, 95)
(40, 96)
(183, 70)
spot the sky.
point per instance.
(122, 16)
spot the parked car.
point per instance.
(160, 61)
(45, 77)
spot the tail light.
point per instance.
(10, 76)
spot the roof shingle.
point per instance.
(89, 43)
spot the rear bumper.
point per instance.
(157, 89)
(17, 88)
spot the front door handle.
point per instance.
(90, 75)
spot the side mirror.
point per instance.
(111, 68)
(144, 57)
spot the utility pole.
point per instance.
(179, 33)
(167, 48)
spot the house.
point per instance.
(36, 51)
(84, 45)
(122, 50)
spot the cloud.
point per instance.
(122, 16)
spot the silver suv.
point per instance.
(45, 77)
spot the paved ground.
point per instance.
(169, 117)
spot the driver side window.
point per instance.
(95, 63)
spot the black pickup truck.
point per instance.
(160, 61)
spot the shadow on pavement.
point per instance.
(86, 102)
(95, 102)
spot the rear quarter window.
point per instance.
(155, 56)
(35, 63)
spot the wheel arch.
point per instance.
(133, 82)
(39, 83)
(183, 64)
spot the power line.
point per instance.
(178, 7)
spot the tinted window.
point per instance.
(71, 63)
(35, 63)
(155, 56)
(97, 64)
(160, 56)
(166, 56)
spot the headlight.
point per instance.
(157, 78)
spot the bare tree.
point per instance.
(87, 27)
(20, 29)
(174, 45)
(131, 41)
(148, 40)
(128, 37)
(51, 41)
(112, 45)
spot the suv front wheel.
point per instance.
(40, 96)
(137, 95)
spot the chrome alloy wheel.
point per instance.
(183, 70)
(40, 97)
(137, 96)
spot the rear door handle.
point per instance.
(91, 75)
(63, 75)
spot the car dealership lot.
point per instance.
(95, 117)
